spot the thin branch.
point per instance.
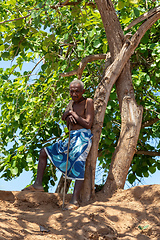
(150, 97)
(150, 122)
(65, 4)
(43, 58)
(148, 153)
(13, 70)
(143, 17)
(147, 109)
(83, 64)
(16, 19)
(36, 65)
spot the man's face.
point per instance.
(76, 92)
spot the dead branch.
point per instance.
(143, 17)
(83, 64)
(150, 122)
(148, 153)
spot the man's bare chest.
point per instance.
(79, 108)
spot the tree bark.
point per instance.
(120, 53)
(126, 146)
(131, 117)
(122, 157)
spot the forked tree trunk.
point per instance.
(131, 114)
(121, 50)
(115, 39)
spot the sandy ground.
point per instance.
(128, 215)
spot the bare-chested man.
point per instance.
(79, 115)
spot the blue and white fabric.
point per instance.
(80, 144)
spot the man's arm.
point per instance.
(67, 115)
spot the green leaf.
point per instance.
(145, 227)
(131, 178)
(2, 47)
(21, 148)
(17, 117)
(44, 67)
(152, 169)
(5, 55)
(145, 174)
(14, 171)
(91, 33)
(105, 48)
(133, 1)
(80, 47)
(108, 141)
(97, 43)
(134, 167)
(126, 20)
(113, 96)
(15, 40)
(136, 12)
(112, 136)
(120, 5)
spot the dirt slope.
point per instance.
(22, 214)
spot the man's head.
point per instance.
(76, 88)
(75, 82)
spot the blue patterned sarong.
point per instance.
(80, 144)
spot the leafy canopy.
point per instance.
(40, 40)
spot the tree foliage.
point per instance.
(53, 38)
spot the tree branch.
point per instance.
(143, 17)
(148, 153)
(150, 122)
(36, 65)
(65, 4)
(16, 19)
(83, 64)
(132, 44)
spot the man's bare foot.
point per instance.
(33, 188)
(71, 206)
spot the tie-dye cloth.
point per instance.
(80, 144)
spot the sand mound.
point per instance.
(128, 214)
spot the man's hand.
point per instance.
(70, 119)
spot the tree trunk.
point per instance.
(120, 52)
(131, 117)
(130, 128)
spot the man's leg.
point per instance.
(40, 171)
(77, 189)
(41, 168)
